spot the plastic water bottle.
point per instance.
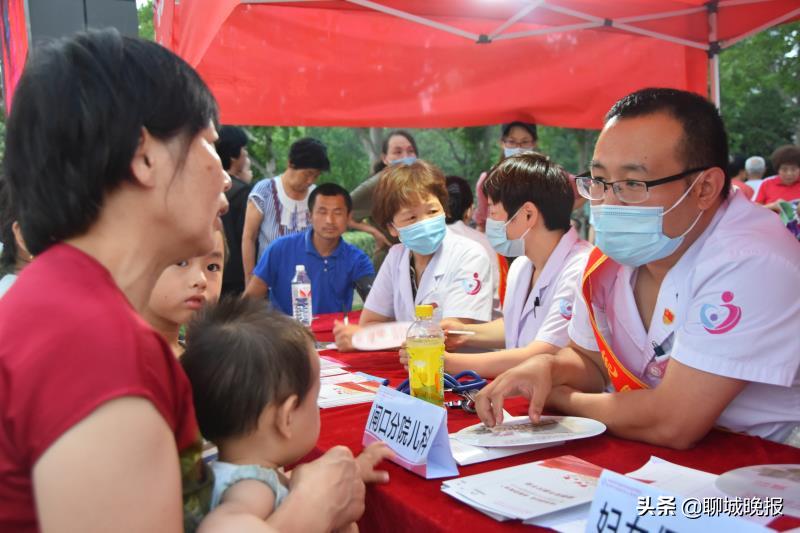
(425, 347)
(301, 296)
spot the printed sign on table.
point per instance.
(618, 506)
(415, 430)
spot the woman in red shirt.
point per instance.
(111, 165)
(785, 186)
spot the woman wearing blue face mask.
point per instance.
(515, 138)
(431, 265)
(530, 200)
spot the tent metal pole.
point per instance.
(731, 3)
(545, 31)
(774, 22)
(275, 1)
(713, 53)
(657, 16)
(415, 18)
(517, 16)
(658, 35)
(572, 12)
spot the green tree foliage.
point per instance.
(145, 13)
(760, 83)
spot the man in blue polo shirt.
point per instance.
(334, 266)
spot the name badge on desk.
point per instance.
(415, 430)
(624, 504)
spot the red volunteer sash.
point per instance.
(621, 377)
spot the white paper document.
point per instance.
(528, 491)
(345, 389)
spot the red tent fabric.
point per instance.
(444, 63)
(14, 45)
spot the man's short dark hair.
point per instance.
(528, 126)
(330, 189)
(230, 143)
(532, 177)
(309, 153)
(77, 118)
(736, 165)
(241, 356)
(704, 142)
(787, 154)
(459, 198)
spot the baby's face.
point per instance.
(306, 416)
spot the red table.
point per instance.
(411, 503)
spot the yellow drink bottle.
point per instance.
(425, 347)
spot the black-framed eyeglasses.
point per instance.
(628, 191)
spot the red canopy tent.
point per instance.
(443, 63)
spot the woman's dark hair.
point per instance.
(309, 153)
(8, 257)
(532, 177)
(241, 356)
(459, 198)
(527, 126)
(230, 143)
(77, 118)
(379, 164)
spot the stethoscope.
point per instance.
(465, 384)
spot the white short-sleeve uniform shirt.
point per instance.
(730, 306)
(458, 280)
(543, 312)
(459, 228)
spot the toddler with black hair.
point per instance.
(255, 378)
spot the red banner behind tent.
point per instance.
(351, 63)
(14, 45)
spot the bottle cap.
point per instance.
(424, 311)
(299, 268)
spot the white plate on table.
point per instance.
(764, 481)
(520, 431)
(382, 336)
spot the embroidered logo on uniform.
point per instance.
(719, 319)
(472, 286)
(669, 317)
(565, 308)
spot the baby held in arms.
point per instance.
(255, 381)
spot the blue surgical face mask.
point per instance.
(404, 161)
(508, 152)
(424, 237)
(496, 233)
(632, 235)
